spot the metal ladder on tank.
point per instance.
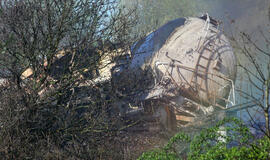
(203, 74)
(188, 114)
(200, 49)
(202, 70)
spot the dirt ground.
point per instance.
(142, 137)
(147, 134)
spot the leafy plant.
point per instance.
(210, 143)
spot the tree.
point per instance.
(154, 13)
(40, 29)
(58, 112)
(255, 65)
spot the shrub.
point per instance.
(239, 143)
(58, 113)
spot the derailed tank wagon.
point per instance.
(186, 60)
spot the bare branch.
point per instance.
(254, 44)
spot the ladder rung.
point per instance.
(201, 66)
(203, 76)
(204, 57)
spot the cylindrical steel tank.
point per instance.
(193, 55)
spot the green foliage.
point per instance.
(259, 149)
(158, 155)
(155, 13)
(210, 144)
(166, 152)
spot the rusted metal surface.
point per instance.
(187, 58)
(192, 55)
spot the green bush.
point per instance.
(207, 145)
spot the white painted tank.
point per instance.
(193, 55)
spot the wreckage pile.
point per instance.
(186, 61)
(184, 70)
